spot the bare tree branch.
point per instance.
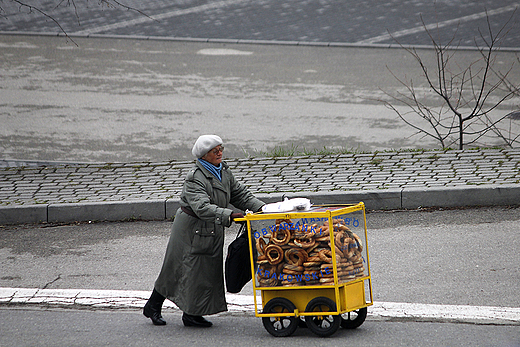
(31, 8)
(467, 95)
(26, 4)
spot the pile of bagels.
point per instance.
(301, 254)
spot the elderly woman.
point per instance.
(192, 271)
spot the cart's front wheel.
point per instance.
(353, 319)
(280, 326)
(323, 325)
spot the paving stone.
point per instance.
(134, 181)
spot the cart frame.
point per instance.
(347, 296)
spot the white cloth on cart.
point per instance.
(288, 205)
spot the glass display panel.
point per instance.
(301, 251)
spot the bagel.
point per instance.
(350, 248)
(311, 269)
(309, 264)
(347, 277)
(327, 280)
(326, 267)
(290, 272)
(310, 283)
(260, 246)
(338, 252)
(262, 260)
(343, 273)
(281, 236)
(305, 242)
(348, 268)
(312, 248)
(340, 238)
(295, 256)
(326, 255)
(274, 254)
(325, 274)
(315, 258)
(267, 270)
(295, 268)
(342, 227)
(356, 259)
(299, 234)
(359, 243)
(323, 231)
(268, 282)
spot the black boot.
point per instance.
(195, 321)
(153, 306)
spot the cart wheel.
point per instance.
(353, 319)
(322, 325)
(280, 326)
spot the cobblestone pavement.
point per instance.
(27, 185)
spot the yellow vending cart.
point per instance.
(311, 267)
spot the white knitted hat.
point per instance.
(204, 144)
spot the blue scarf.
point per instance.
(215, 170)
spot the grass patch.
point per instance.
(294, 150)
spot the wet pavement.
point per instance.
(265, 75)
(123, 100)
(326, 21)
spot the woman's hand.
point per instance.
(236, 215)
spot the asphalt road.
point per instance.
(453, 257)
(356, 22)
(129, 328)
(464, 257)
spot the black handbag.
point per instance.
(238, 263)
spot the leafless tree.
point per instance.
(465, 95)
(35, 7)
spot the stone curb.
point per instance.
(389, 199)
(246, 41)
(124, 299)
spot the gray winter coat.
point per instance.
(192, 271)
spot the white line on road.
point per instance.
(143, 19)
(422, 28)
(245, 303)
